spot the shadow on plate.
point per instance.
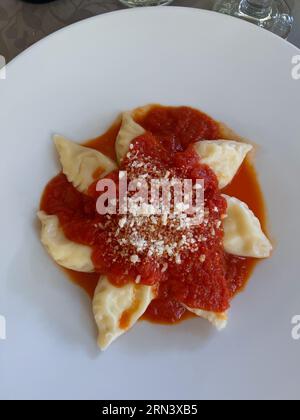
(62, 308)
(35, 278)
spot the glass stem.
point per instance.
(259, 9)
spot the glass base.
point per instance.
(277, 18)
(139, 3)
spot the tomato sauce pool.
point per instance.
(176, 129)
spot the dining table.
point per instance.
(24, 23)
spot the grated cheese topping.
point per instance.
(142, 233)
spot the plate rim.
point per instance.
(135, 11)
(74, 391)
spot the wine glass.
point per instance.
(273, 15)
(136, 3)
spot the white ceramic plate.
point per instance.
(75, 82)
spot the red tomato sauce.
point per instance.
(207, 278)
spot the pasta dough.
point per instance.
(243, 234)
(219, 320)
(80, 163)
(66, 253)
(128, 132)
(117, 309)
(224, 157)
